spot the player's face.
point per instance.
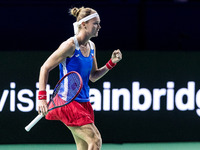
(93, 26)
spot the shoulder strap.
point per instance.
(76, 43)
(91, 45)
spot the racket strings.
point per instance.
(65, 91)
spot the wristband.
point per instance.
(110, 64)
(42, 95)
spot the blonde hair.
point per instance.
(81, 13)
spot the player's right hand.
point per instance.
(42, 107)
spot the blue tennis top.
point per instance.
(82, 65)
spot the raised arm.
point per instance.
(97, 73)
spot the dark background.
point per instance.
(159, 41)
(128, 25)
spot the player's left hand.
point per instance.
(116, 56)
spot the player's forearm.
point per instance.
(99, 73)
(43, 78)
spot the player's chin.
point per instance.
(96, 35)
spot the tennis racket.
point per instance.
(65, 91)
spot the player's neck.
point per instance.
(82, 38)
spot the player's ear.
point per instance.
(83, 25)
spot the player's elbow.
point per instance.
(44, 69)
(93, 79)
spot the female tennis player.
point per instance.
(78, 53)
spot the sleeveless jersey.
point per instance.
(82, 65)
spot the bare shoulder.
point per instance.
(68, 44)
(67, 47)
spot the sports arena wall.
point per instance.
(148, 97)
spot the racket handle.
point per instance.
(33, 122)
